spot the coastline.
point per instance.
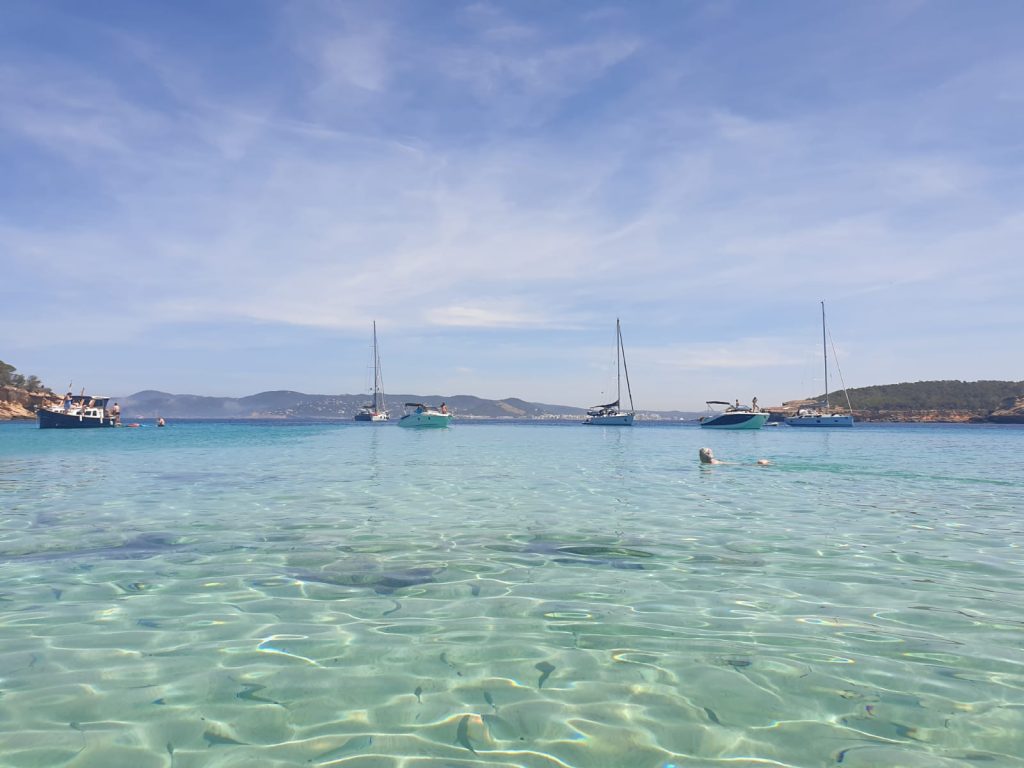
(19, 404)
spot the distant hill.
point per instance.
(285, 404)
(949, 400)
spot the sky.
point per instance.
(220, 197)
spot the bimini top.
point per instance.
(99, 401)
(609, 405)
(416, 405)
(716, 402)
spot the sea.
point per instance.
(542, 595)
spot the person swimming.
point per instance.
(708, 457)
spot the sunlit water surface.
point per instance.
(271, 594)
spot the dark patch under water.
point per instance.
(140, 547)
(588, 554)
(383, 582)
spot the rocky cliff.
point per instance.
(1010, 411)
(21, 404)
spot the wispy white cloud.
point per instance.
(74, 114)
(734, 353)
(493, 316)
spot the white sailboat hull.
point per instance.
(821, 420)
(611, 420)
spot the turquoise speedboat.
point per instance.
(733, 417)
(423, 415)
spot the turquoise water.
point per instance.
(511, 595)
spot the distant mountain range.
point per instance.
(285, 404)
(939, 401)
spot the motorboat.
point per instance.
(423, 415)
(611, 414)
(375, 411)
(827, 417)
(77, 412)
(735, 416)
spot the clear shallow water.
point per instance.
(510, 595)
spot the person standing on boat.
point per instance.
(444, 408)
(754, 404)
(115, 413)
(67, 402)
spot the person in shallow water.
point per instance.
(707, 457)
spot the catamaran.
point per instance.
(610, 414)
(376, 410)
(815, 417)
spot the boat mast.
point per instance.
(378, 383)
(618, 366)
(824, 350)
(621, 346)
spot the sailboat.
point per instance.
(814, 417)
(375, 411)
(610, 414)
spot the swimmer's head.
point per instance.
(706, 456)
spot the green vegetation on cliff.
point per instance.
(953, 395)
(10, 378)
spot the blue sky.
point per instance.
(219, 197)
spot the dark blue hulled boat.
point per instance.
(78, 412)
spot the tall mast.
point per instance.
(824, 350)
(378, 384)
(618, 366)
(625, 368)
